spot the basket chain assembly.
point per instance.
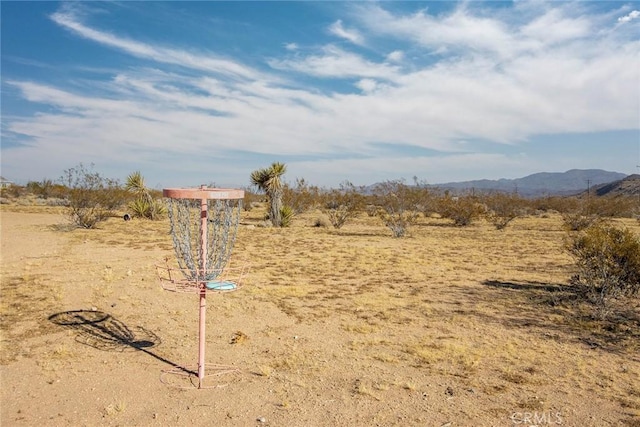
(222, 225)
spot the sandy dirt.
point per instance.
(351, 327)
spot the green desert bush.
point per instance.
(607, 263)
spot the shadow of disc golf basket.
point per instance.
(204, 223)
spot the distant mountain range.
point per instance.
(628, 186)
(549, 183)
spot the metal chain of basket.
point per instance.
(223, 217)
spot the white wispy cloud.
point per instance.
(367, 85)
(553, 27)
(395, 56)
(337, 63)
(463, 75)
(458, 30)
(634, 14)
(351, 35)
(195, 60)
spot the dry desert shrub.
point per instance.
(580, 213)
(92, 197)
(341, 204)
(502, 208)
(302, 197)
(613, 206)
(46, 189)
(399, 205)
(462, 210)
(608, 263)
(578, 221)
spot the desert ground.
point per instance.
(446, 327)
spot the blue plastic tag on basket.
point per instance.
(221, 285)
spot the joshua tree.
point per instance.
(268, 180)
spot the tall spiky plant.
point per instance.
(144, 205)
(269, 180)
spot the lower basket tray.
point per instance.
(226, 280)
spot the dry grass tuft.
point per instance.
(115, 408)
(238, 337)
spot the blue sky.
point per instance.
(193, 93)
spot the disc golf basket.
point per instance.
(204, 223)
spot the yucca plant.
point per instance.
(286, 216)
(269, 180)
(144, 205)
(140, 208)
